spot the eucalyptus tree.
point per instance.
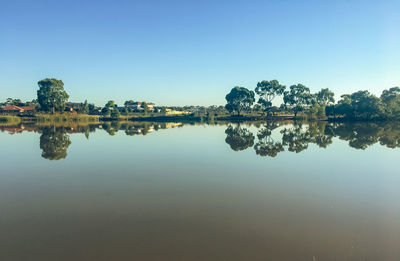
(344, 107)
(325, 97)
(391, 102)
(239, 99)
(268, 90)
(366, 105)
(298, 98)
(51, 95)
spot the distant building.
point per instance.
(72, 106)
(137, 106)
(17, 109)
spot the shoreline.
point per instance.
(84, 118)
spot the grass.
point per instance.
(66, 118)
(9, 119)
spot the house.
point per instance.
(72, 106)
(137, 106)
(17, 109)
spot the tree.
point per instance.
(91, 107)
(239, 99)
(325, 97)
(115, 114)
(144, 106)
(344, 106)
(366, 105)
(320, 101)
(298, 98)
(85, 107)
(51, 95)
(391, 102)
(110, 104)
(268, 90)
(130, 102)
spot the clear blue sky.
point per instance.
(194, 52)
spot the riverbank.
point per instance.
(50, 118)
(8, 119)
(84, 118)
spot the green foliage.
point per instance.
(391, 102)
(51, 95)
(325, 97)
(130, 102)
(84, 108)
(110, 104)
(115, 114)
(268, 90)
(239, 99)
(298, 98)
(316, 111)
(144, 106)
(360, 105)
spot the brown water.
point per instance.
(147, 191)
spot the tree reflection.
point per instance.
(269, 139)
(390, 135)
(321, 134)
(54, 143)
(239, 138)
(266, 146)
(359, 135)
(297, 137)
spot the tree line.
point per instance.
(298, 99)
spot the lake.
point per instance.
(179, 191)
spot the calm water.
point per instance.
(269, 191)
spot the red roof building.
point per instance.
(13, 108)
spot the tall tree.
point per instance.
(344, 106)
(325, 97)
(268, 90)
(297, 98)
(85, 107)
(239, 99)
(51, 95)
(110, 104)
(391, 101)
(366, 105)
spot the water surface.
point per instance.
(157, 191)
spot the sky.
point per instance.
(193, 52)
